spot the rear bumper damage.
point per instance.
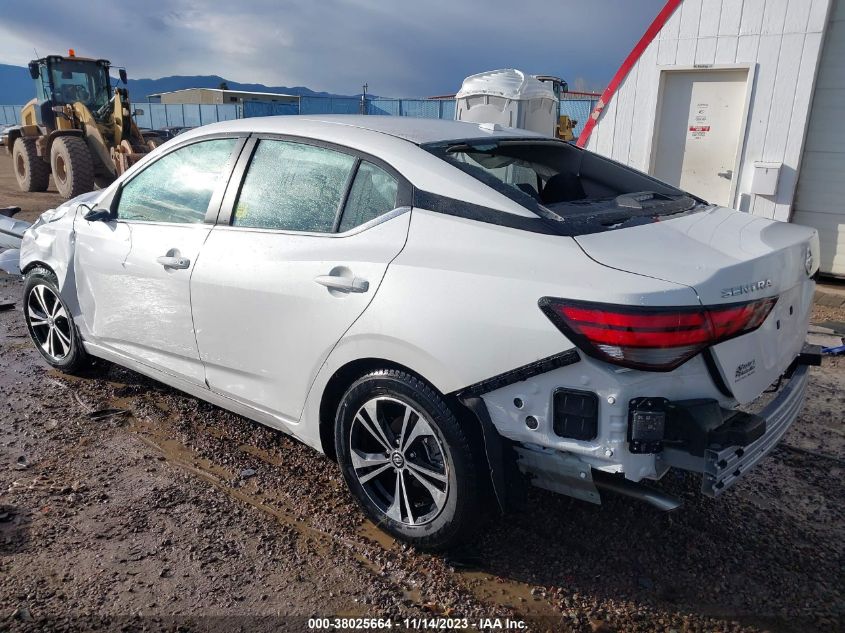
(721, 468)
(694, 435)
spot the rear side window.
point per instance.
(178, 186)
(373, 193)
(294, 187)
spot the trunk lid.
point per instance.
(728, 257)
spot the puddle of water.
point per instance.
(369, 530)
(517, 595)
(264, 456)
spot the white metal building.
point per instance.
(741, 102)
(219, 95)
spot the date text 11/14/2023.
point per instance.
(416, 624)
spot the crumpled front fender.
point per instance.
(50, 242)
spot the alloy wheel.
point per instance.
(49, 322)
(399, 460)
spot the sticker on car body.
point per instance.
(745, 369)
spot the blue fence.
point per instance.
(578, 110)
(329, 105)
(268, 108)
(421, 108)
(10, 114)
(161, 115)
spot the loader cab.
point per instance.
(564, 126)
(63, 81)
(558, 85)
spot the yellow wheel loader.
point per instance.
(564, 125)
(77, 127)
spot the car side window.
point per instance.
(293, 186)
(178, 186)
(373, 193)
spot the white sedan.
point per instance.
(449, 309)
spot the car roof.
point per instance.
(415, 130)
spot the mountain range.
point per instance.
(16, 86)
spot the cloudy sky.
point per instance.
(399, 47)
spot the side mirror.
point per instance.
(98, 215)
(34, 70)
(122, 73)
(138, 112)
(564, 87)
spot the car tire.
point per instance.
(50, 323)
(419, 450)
(32, 173)
(72, 166)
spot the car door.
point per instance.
(298, 254)
(133, 271)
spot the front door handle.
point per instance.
(727, 175)
(174, 262)
(344, 284)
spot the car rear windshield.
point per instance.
(558, 181)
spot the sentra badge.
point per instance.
(745, 289)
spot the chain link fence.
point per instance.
(160, 115)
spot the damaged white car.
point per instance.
(443, 306)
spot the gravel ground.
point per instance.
(180, 516)
(31, 204)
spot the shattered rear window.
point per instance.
(584, 192)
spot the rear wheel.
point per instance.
(73, 166)
(407, 460)
(50, 323)
(32, 173)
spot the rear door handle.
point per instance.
(727, 175)
(344, 284)
(174, 262)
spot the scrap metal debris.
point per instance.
(823, 336)
(838, 327)
(10, 261)
(103, 414)
(11, 232)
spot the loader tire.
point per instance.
(32, 173)
(73, 166)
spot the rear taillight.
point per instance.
(656, 339)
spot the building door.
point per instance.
(821, 181)
(699, 122)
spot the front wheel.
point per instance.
(31, 172)
(50, 323)
(72, 165)
(407, 459)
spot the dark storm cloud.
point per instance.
(399, 48)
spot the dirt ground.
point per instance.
(31, 204)
(175, 515)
